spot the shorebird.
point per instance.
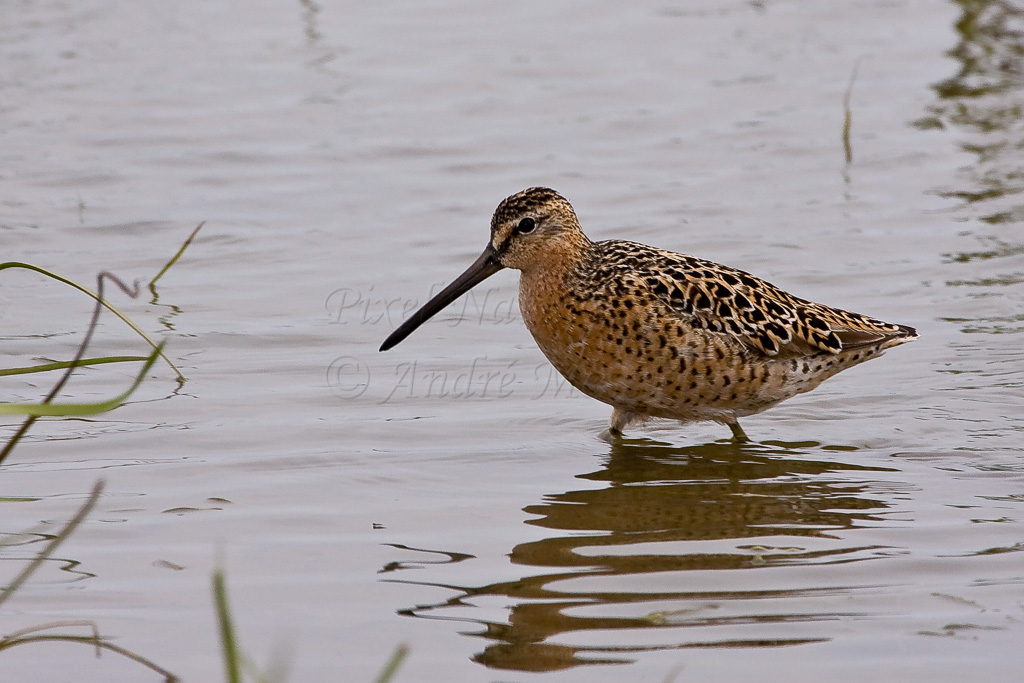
(654, 333)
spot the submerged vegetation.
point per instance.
(61, 631)
(46, 407)
(57, 631)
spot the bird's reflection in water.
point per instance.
(646, 553)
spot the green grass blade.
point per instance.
(64, 364)
(392, 665)
(67, 409)
(174, 259)
(228, 643)
(113, 309)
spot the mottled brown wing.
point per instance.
(726, 300)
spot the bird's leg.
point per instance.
(620, 418)
(738, 435)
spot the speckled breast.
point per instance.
(641, 357)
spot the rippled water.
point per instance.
(453, 493)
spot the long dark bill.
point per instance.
(484, 267)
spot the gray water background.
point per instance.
(453, 494)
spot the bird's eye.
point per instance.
(526, 225)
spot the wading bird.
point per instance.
(653, 333)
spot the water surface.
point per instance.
(453, 493)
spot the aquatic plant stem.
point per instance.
(61, 536)
(27, 424)
(113, 309)
(393, 663)
(33, 634)
(174, 259)
(848, 115)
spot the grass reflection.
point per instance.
(982, 100)
(647, 553)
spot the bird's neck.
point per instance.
(560, 258)
(542, 286)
